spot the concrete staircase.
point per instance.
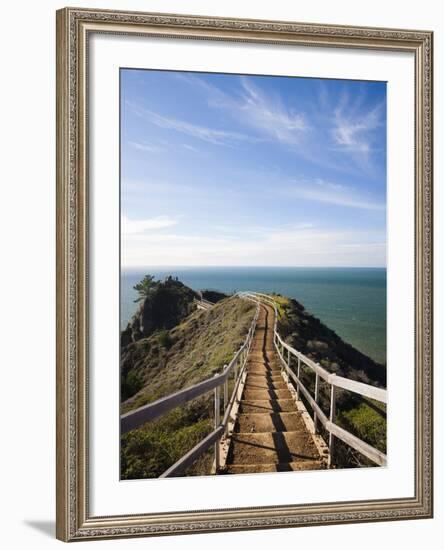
(270, 434)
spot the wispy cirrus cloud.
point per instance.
(146, 147)
(204, 133)
(270, 115)
(353, 128)
(190, 147)
(137, 227)
(251, 106)
(320, 190)
(318, 131)
(149, 187)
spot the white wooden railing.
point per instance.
(201, 303)
(287, 353)
(234, 370)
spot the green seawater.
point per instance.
(351, 301)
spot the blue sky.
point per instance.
(232, 170)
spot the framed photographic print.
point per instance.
(244, 274)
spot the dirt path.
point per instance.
(269, 434)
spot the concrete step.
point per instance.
(280, 467)
(272, 448)
(267, 405)
(266, 394)
(269, 422)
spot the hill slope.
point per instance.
(170, 345)
(363, 417)
(195, 349)
(309, 335)
(170, 360)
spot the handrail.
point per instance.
(335, 381)
(203, 304)
(133, 419)
(205, 301)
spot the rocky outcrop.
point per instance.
(166, 305)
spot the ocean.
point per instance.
(351, 301)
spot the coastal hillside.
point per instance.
(195, 349)
(363, 417)
(168, 360)
(170, 345)
(309, 335)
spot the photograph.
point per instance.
(253, 274)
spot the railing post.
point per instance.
(316, 400)
(216, 425)
(288, 359)
(299, 376)
(225, 391)
(239, 390)
(331, 437)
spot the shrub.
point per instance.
(165, 339)
(148, 451)
(130, 384)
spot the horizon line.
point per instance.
(178, 266)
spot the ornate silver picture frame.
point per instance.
(75, 27)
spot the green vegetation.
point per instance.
(283, 304)
(166, 361)
(192, 351)
(367, 423)
(362, 417)
(165, 339)
(307, 334)
(130, 384)
(150, 450)
(145, 287)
